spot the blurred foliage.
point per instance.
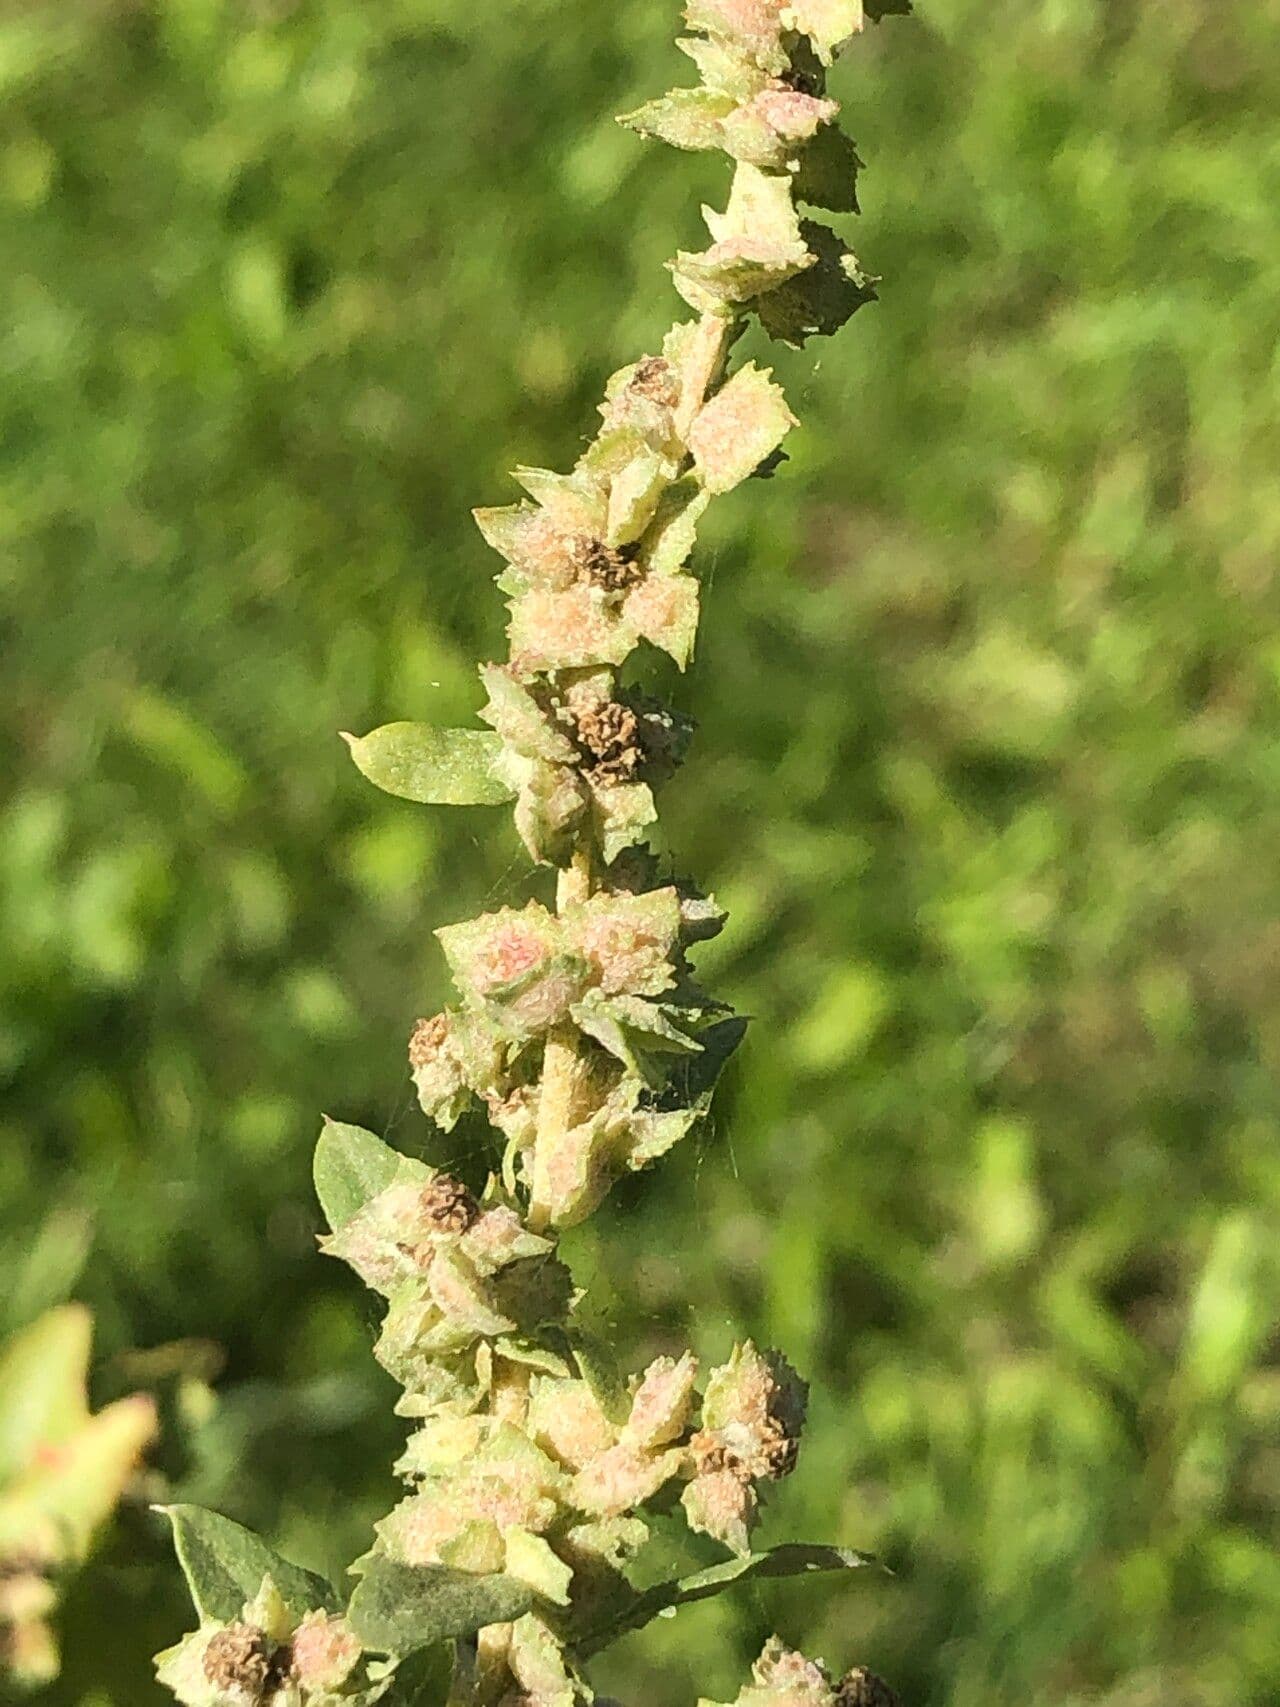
(62, 1472)
(988, 773)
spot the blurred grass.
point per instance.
(988, 773)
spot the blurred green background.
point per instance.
(988, 774)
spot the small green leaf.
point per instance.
(441, 767)
(694, 1079)
(828, 175)
(820, 301)
(792, 1560)
(399, 1608)
(351, 1167)
(422, 1679)
(224, 1566)
(599, 1369)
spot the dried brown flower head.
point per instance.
(427, 1039)
(656, 379)
(607, 567)
(240, 1658)
(610, 735)
(862, 1688)
(448, 1205)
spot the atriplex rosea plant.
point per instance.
(578, 1026)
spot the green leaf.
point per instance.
(828, 175)
(42, 1385)
(224, 1566)
(792, 1560)
(821, 300)
(398, 1608)
(598, 1368)
(421, 1679)
(351, 1167)
(441, 767)
(695, 1079)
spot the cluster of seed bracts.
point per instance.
(598, 563)
(269, 1657)
(763, 101)
(610, 971)
(597, 560)
(556, 1500)
(530, 1458)
(783, 1678)
(564, 1483)
(461, 1277)
(581, 756)
(752, 1415)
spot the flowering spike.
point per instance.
(578, 1028)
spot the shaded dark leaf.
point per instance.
(398, 1609)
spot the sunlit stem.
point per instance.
(563, 1071)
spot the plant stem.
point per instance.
(562, 1066)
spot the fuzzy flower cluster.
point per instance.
(530, 1459)
(268, 1657)
(578, 1031)
(608, 974)
(783, 1678)
(522, 1436)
